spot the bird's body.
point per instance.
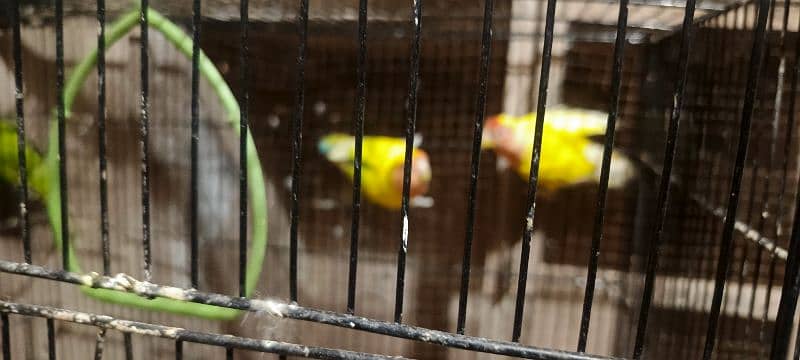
(9, 158)
(568, 155)
(381, 166)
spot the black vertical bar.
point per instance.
(754, 170)
(768, 178)
(19, 98)
(144, 129)
(796, 355)
(791, 289)
(783, 320)
(62, 145)
(770, 19)
(533, 177)
(710, 225)
(358, 126)
(790, 123)
(297, 142)
(195, 142)
(780, 211)
(698, 182)
(244, 111)
(536, 57)
(480, 113)
(600, 209)
(101, 134)
(723, 264)
(411, 123)
(178, 350)
(99, 344)
(6, 335)
(662, 201)
(51, 339)
(128, 342)
(229, 353)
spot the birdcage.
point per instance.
(164, 195)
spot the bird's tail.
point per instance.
(623, 169)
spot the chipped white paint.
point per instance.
(416, 15)
(269, 307)
(529, 222)
(83, 318)
(87, 279)
(405, 233)
(174, 293)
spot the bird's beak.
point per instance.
(488, 141)
(423, 166)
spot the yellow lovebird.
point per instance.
(568, 157)
(381, 166)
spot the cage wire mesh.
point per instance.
(695, 258)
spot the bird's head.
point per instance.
(499, 134)
(420, 174)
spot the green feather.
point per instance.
(9, 158)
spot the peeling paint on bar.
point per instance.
(175, 333)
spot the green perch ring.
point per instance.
(256, 186)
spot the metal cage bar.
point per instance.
(244, 115)
(723, 264)
(144, 138)
(791, 286)
(411, 124)
(51, 339)
(5, 335)
(194, 146)
(296, 312)
(297, 138)
(358, 129)
(666, 174)
(480, 114)
(780, 210)
(129, 328)
(178, 349)
(19, 98)
(533, 177)
(127, 341)
(605, 170)
(101, 135)
(62, 145)
(99, 343)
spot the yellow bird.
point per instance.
(381, 166)
(568, 156)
